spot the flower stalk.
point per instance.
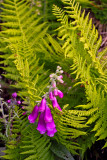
(46, 122)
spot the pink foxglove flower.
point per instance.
(60, 94)
(33, 116)
(60, 76)
(60, 79)
(14, 95)
(42, 105)
(19, 102)
(24, 113)
(50, 125)
(55, 104)
(51, 96)
(55, 92)
(48, 115)
(53, 84)
(9, 101)
(41, 124)
(52, 132)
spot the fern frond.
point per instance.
(15, 29)
(82, 24)
(80, 43)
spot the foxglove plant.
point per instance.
(46, 122)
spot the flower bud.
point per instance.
(53, 84)
(19, 102)
(9, 101)
(61, 71)
(14, 95)
(24, 114)
(51, 97)
(60, 76)
(52, 75)
(60, 80)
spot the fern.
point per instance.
(24, 144)
(24, 34)
(14, 29)
(80, 43)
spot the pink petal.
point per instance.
(19, 102)
(50, 125)
(48, 115)
(42, 105)
(33, 116)
(55, 104)
(51, 97)
(61, 81)
(61, 76)
(54, 84)
(55, 92)
(24, 113)
(41, 124)
(14, 95)
(9, 101)
(60, 94)
(52, 132)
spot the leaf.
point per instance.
(61, 151)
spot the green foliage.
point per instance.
(80, 43)
(61, 151)
(26, 142)
(15, 31)
(26, 47)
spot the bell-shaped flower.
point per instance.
(42, 105)
(51, 97)
(53, 84)
(50, 125)
(9, 101)
(19, 102)
(14, 95)
(41, 124)
(52, 132)
(55, 92)
(55, 104)
(33, 116)
(48, 115)
(61, 76)
(24, 113)
(60, 94)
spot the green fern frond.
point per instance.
(35, 145)
(27, 141)
(15, 29)
(80, 43)
(69, 127)
(82, 24)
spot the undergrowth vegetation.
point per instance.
(33, 44)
